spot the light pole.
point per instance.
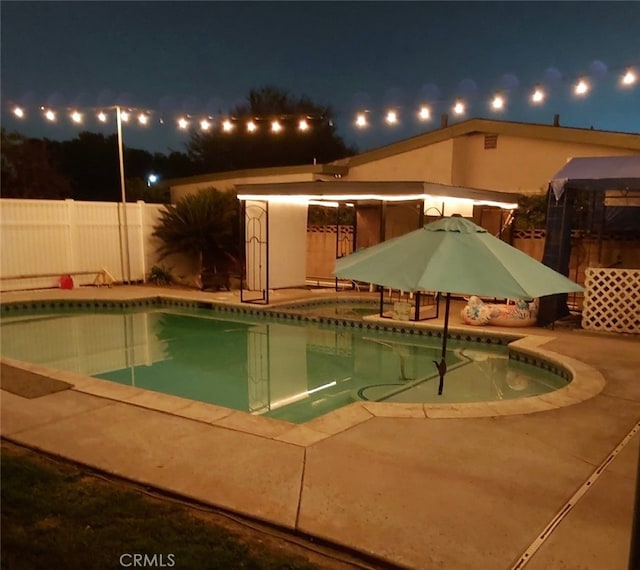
(124, 199)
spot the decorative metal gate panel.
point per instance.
(255, 266)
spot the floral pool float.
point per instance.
(519, 313)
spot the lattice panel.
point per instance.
(529, 234)
(612, 300)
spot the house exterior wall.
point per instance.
(517, 164)
(430, 163)
(226, 184)
(526, 157)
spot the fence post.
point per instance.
(141, 236)
(71, 235)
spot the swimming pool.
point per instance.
(285, 368)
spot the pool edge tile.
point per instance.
(395, 409)
(341, 419)
(256, 425)
(302, 435)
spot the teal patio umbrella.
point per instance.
(453, 256)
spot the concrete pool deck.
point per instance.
(417, 490)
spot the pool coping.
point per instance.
(586, 382)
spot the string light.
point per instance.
(581, 88)
(537, 96)
(498, 102)
(626, 78)
(361, 120)
(391, 118)
(458, 108)
(629, 78)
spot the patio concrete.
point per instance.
(411, 489)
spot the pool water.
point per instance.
(263, 365)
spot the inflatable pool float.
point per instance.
(519, 313)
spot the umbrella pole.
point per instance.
(442, 365)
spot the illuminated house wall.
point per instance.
(228, 180)
(521, 164)
(478, 154)
(432, 163)
(524, 159)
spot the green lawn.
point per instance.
(54, 515)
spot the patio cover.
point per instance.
(598, 173)
(374, 190)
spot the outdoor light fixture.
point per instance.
(391, 118)
(458, 108)
(537, 96)
(629, 78)
(325, 203)
(497, 103)
(424, 114)
(332, 200)
(581, 88)
(152, 179)
(361, 120)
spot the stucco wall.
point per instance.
(225, 184)
(287, 245)
(431, 163)
(517, 164)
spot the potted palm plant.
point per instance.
(203, 226)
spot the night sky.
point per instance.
(204, 57)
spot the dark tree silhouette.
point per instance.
(28, 169)
(91, 162)
(217, 151)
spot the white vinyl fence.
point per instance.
(41, 240)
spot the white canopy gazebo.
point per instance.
(275, 220)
